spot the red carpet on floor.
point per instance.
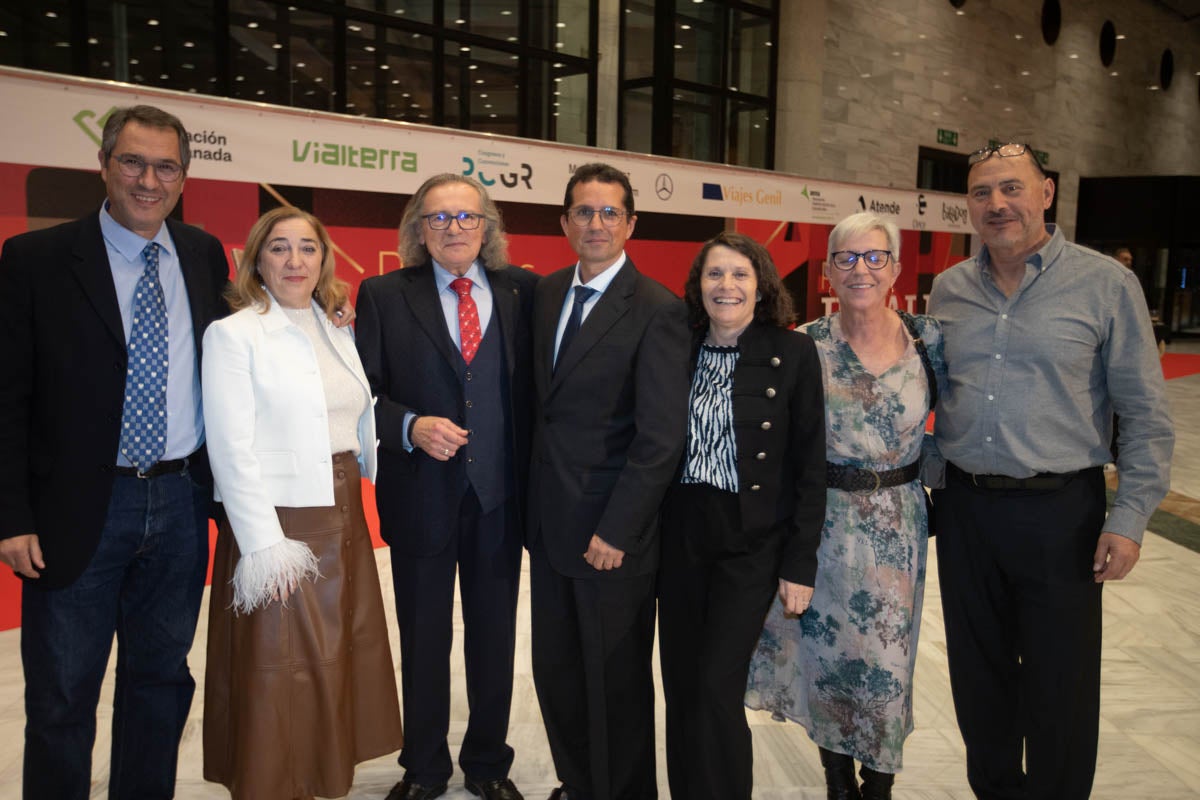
(1180, 365)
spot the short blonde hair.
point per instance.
(862, 223)
(247, 287)
(494, 251)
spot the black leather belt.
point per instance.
(864, 479)
(161, 468)
(1043, 481)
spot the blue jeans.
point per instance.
(144, 583)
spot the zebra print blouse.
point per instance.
(711, 447)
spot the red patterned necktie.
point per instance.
(469, 334)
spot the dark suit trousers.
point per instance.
(714, 589)
(485, 551)
(1023, 625)
(592, 643)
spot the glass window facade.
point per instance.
(519, 67)
(698, 79)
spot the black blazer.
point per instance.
(779, 427)
(611, 422)
(410, 360)
(63, 362)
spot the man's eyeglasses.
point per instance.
(1010, 150)
(135, 166)
(441, 220)
(609, 216)
(846, 260)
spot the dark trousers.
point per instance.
(592, 643)
(144, 583)
(485, 551)
(1023, 624)
(712, 601)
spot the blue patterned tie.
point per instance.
(582, 295)
(144, 420)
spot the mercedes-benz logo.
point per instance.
(664, 187)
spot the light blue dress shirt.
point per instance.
(1034, 377)
(599, 283)
(185, 418)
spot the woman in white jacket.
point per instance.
(299, 685)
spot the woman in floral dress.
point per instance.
(844, 669)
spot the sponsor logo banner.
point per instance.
(57, 121)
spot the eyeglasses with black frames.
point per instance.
(441, 220)
(610, 217)
(846, 260)
(1010, 150)
(134, 166)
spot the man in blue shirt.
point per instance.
(108, 528)
(1044, 341)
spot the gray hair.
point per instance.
(494, 251)
(151, 117)
(860, 224)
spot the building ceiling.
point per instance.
(1188, 9)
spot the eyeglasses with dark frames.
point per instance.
(1010, 150)
(441, 220)
(132, 166)
(610, 217)
(846, 260)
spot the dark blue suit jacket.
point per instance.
(410, 360)
(611, 422)
(63, 362)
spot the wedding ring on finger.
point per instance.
(445, 451)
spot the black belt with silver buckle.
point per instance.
(161, 468)
(1043, 481)
(864, 479)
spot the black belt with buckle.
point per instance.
(160, 468)
(1043, 481)
(864, 479)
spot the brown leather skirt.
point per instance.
(295, 696)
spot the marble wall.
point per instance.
(863, 84)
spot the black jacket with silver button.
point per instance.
(779, 427)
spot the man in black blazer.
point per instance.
(446, 344)
(101, 544)
(610, 368)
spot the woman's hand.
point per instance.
(795, 598)
(284, 592)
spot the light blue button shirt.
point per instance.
(599, 283)
(185, 419)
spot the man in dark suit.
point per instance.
(104, 485)
(446, 344)
(610, 368)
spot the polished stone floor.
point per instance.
(1150, 726)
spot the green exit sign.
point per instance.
(947, 137)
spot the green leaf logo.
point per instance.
(91, 124)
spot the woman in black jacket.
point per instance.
(743, 520)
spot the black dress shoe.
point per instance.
(407, 790)
(502, 789)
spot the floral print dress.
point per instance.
(844, 669)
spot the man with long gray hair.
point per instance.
(446, 345)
